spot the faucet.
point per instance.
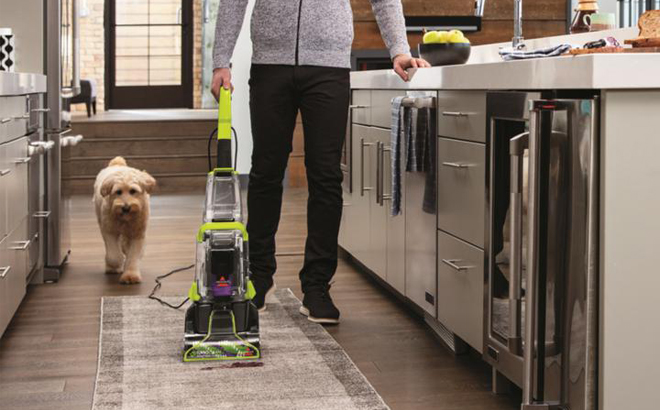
(517, 25)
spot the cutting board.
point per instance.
(644, 42)
(610, 50)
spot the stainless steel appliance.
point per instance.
(62, 45)
(543, 193)
(420, 223)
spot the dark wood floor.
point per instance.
(48, 355)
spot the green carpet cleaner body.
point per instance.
(222, 323)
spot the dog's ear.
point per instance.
(147, 182)
(107, 185)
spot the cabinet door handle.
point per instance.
(23, 160)
(383, 195)
(5, 120)
(363, 144)
(456, 165)
(357, 106)
(21, 245)
(379, 173)
(5, 270)
(4, 172)
(41, 214)
(41, 110)
(517, 147)
(454, 114)
(453, 264)
(23, 117)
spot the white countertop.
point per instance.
(21, 83)
(486, 70)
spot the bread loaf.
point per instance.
(649, 24)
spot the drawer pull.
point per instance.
(356, 107)
(5, 270)
(454, 114)
(4, 172)
(23, 117)
(41, 214)
(23, 160)
(21, 245)
(5, 120)
(456, 165)
(41, 110)
(452, 264)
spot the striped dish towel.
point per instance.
(509, 54)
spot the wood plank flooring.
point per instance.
(48, 355)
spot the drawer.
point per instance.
(462, 115)
(13, 267)
(18, 246)
(5, 173)
(14, 117)
(381, 107)
(462, 189)
(361, 107)
(17, 182)
(461, 289)
(5, 268)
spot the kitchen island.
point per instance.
(446, 264)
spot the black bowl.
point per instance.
(438, 54)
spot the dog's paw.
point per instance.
(113, 270)
(130, 277)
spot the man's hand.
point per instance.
(404, 61)
(221, 78)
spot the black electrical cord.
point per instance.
(159, 284)
(208, 148)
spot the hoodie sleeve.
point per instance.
(389, 15)
(231, 14)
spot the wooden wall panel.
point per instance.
(362, 8)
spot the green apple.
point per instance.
(443, 36)
(456, 36)
(431, 37)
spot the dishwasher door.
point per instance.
(421, 278)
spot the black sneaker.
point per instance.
(318, 307)
(264, 289)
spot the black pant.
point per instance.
(277, 93)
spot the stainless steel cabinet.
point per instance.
(356, 220)
(462, 115)
(14, 116)
(13, 267)
(461, 189)
(5, 172)
(461, 288)
(17, 182)
(420, 246)
(361, 107)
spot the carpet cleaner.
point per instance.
(222, 323)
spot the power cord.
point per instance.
(159, 284)
(208, 148)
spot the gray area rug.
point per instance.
(303, 367)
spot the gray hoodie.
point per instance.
(303, 32)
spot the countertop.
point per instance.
(486, 71)
(21, 83)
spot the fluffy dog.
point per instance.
(121, 199)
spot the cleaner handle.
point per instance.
(224, 130)
(224, 114)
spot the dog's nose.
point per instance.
(125, 209)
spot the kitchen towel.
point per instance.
(398, 125)
(509, 53)
(421, 143)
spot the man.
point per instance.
(300, 62)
